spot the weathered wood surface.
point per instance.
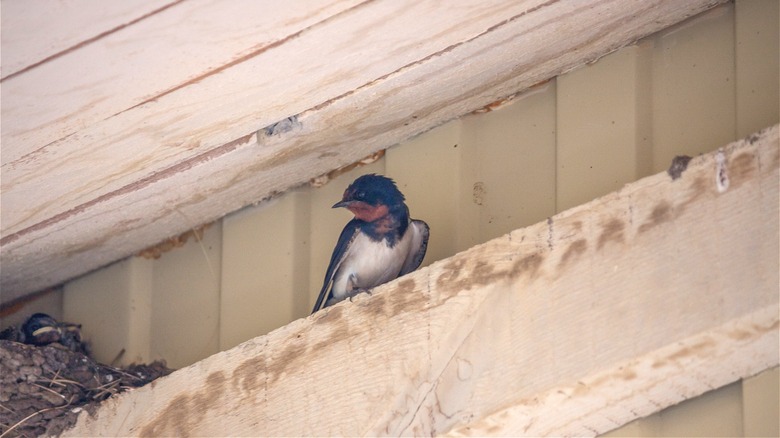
(607, 312)
(36, 31)
(119, 144)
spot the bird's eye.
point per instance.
(361, 195)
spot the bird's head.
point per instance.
(371, 197)
(41, 329)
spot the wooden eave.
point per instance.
(136, 121)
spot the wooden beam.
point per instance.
(37, 31)
(574, 326)
(622, 392)
(86, 181)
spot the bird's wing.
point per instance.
(346, 238)
(420, 232)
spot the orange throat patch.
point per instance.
(367, 212)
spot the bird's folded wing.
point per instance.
(420, 233)
(348, 235)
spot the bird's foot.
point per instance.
(357, 292)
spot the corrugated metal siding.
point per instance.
(690, 88)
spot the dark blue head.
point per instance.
(374, 190)
(371, 196)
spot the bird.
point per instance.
(380, 244)
(41, 329)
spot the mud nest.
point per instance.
(43, 388)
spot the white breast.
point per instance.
(368, 264)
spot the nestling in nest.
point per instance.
(47, 377)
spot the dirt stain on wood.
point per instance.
(742, 168)
(698, 188)
(528, 265)
(331, 316)
(700, 348)
(450, 281)
(482, 273)
(246, 377)
(377, 306)
(407, 297)
(184, 412)
(623, 373)
(612, 231)
(298, 348)
(573, 252)
(156, 251)
(288, 360)
(662, 212)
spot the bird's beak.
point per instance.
(342, 204)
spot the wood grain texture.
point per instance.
(36, 31)
(87, 179)
(622, 392)
(606, 312)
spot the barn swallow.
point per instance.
(381, 243)
(41, 329)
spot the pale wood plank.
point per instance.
(610, 311)
(126, 211)
(174, 49)
(688, 368)
(174, 119)
(36, 30)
